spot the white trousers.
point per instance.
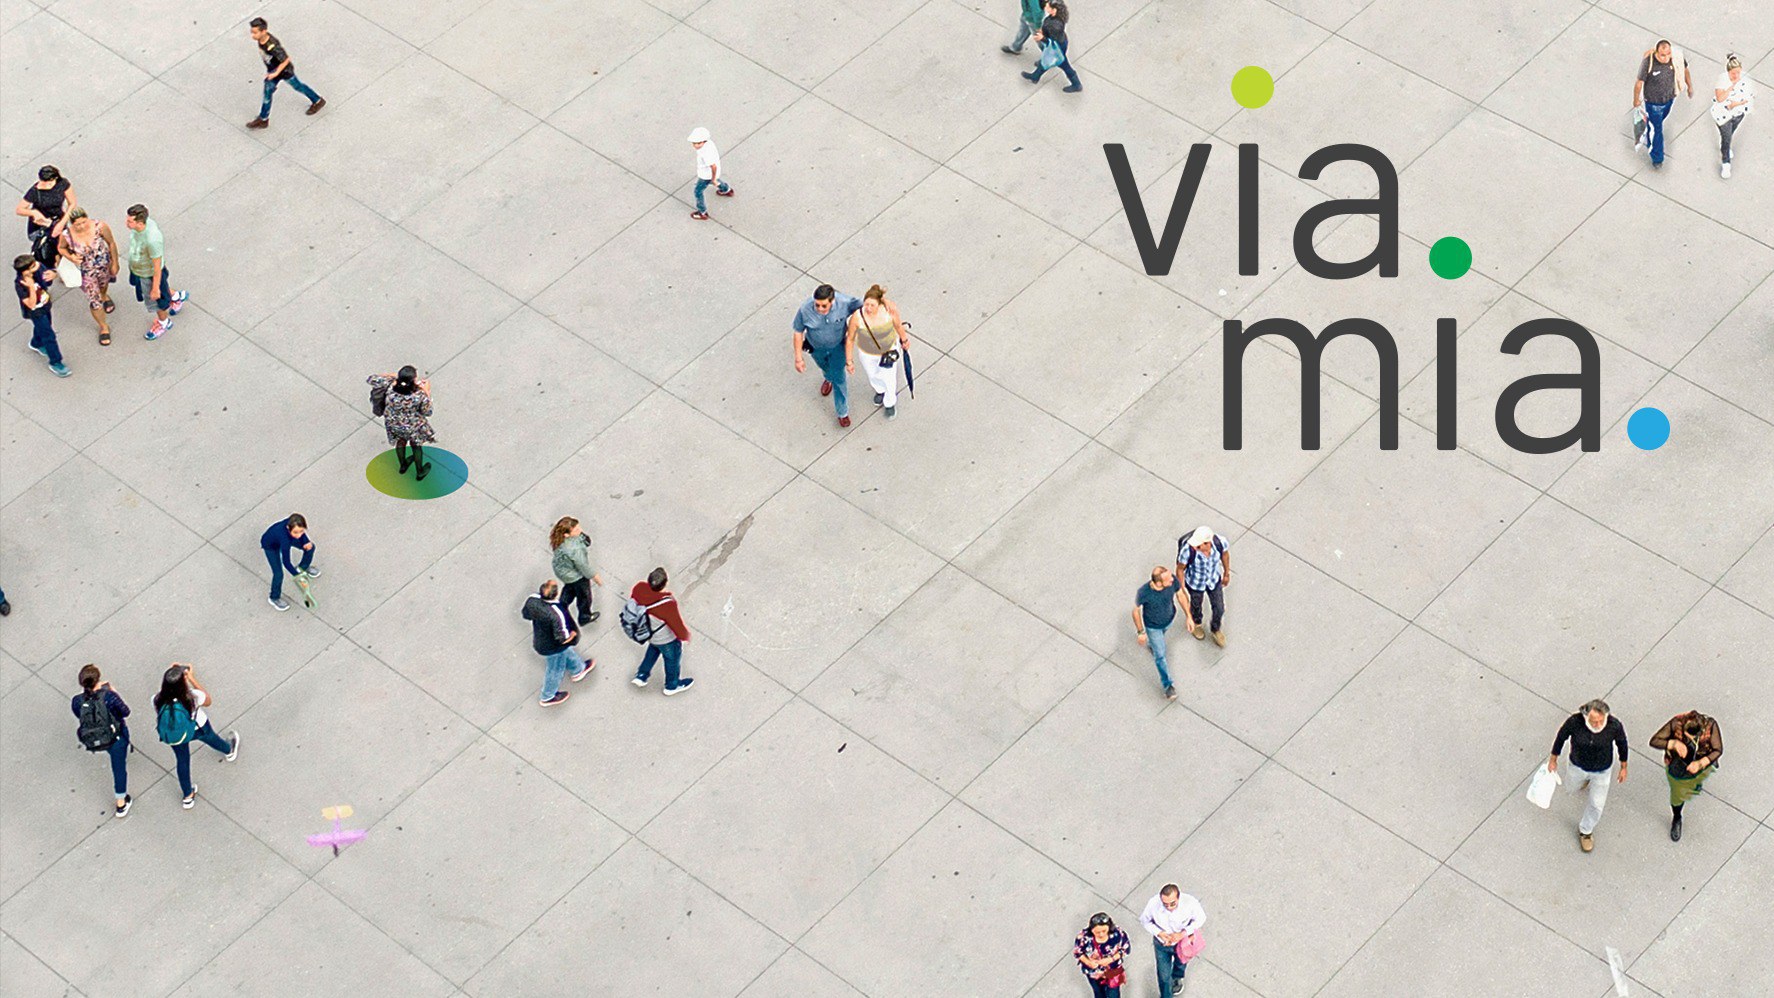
(1579, 780)
(884, 380)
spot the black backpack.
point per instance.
(379, 400)
(98, 726)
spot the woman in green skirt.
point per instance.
(1691, 746)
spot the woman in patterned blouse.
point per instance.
(1099, 950)
(405, 415)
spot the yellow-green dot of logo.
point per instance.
(1252, 86)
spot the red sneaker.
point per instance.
(825, 388)
(700, 216)
(844, 421)
(724, 194)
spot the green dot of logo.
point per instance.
(1252, 86)
(1450, 257)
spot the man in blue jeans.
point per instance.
(1661, 74)
(279, 542)
(553, 638)
(820, 329)
(31, 281)
(278, 69)
(669, 632)
(1154, 608)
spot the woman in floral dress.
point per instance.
(407, 406)
(88, 243)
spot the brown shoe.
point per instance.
(257, 123)
(315, 107)
(1198, 631)
(1586, 841)
(1219, 638)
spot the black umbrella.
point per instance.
(905, 355)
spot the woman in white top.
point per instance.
(179, 688)
(879, 337)
(1733, 97)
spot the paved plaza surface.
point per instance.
(923, 746)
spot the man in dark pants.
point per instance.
(279, 542)
(819, 327)
(1204, 563)
(278, 68)
(32, 285)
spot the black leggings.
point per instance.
(418, 458)
(580, 591)
(1727, 130)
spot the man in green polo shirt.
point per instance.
(147, 271)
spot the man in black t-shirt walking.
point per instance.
(278, 69)
(1596, 739)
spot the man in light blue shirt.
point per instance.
(820, 329)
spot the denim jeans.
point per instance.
(1098, 990)
(1579, 780)
(1215, 596)
(43, 335)
(702, 185)
(1170, 969)
(562, 662)
(831, 364)
(119, 752)
(672, 653)
(1160, 654)
(1065, 66)
(276, 560)
(182, 753)
(295, 84)
(1654, 115)
(1023, 31)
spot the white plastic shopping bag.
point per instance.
(1540, 788)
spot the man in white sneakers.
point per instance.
(1170, 916)
(668, 632)
(708, 171)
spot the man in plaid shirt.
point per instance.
(1205, 566)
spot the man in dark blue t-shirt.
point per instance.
(31, 281)
(1154, 608)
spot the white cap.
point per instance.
(699, 135)
(1201, 536)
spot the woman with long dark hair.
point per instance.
(405, 415)
(1691, 745)
(1101, 950)
(180, 717)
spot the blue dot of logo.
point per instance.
(1648, 429)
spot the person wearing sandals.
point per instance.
(104, 728)
(1691, 745)
(1101, 950)
(181, 717)
(45, 207)
(572, 565)
(878, 336)
(406, 416)
(87, 243)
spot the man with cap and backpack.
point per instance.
(651, 618)
(1205, 567)
(102, 728)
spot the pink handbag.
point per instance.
(1189, 946)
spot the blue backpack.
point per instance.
(174, 724)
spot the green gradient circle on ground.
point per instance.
(1252, 86)
(1450, 257)
(448, 473)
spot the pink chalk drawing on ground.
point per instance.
(338, 836)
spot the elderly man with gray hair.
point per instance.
(1596, 738)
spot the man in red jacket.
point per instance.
(669, 632)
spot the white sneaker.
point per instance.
(234, 750)
(1725, 170)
